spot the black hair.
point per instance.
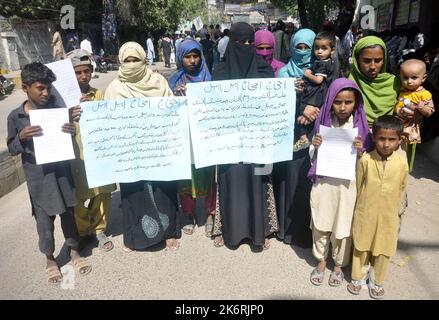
(325, 35)
(280, 25)
(226, 32)
(37, 72)
(370, 47)
(388, 122)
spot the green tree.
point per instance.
(311, 12)
(50, 9)
(162, 15)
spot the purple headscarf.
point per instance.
(325, 116)
(266, 37)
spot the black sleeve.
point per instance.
(320, 68)
(13, 140)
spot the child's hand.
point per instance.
(29, 132)
(308, 73)
(317, 140)
(426, 108)
(76, 113)
(180, 90)
(358, 144)
(68, 128)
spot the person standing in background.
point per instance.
(222, 44)
(58, 48)
(150, 49)
(86, 45)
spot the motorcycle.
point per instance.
(101, 64)
(6, 86)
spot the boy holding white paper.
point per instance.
(50, 185)
(93, 204)
(333, 199)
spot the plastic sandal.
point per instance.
(103, 240)
(317, 277)
(354, 287)
(189, 229)
(376, 291)
(218, 241)
(336, 278)
(54, 275)
(82, 266)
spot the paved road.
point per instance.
(199, 270)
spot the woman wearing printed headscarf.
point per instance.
(245, 201)
(149, 207)
(265, 44)
(291, 185)
(192, 68)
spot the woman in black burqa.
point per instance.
(245, 201)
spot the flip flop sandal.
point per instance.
(103, 241)
(354, 287)
(317, 277)
(53, 273)
(218, 241)
(376, 291)
(189, 229)
(82, 266)
(336, 278)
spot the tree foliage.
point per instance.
(312, 13)
(50, 9)
(160, 14)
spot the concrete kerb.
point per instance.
(11, 172)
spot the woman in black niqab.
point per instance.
(245, 201)
(241, 61)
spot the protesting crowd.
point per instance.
(339, 83)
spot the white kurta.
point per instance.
(333, 200)
(150, 49)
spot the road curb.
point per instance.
(11, 172)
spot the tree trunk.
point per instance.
(302, 13)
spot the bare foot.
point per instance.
(172, 244)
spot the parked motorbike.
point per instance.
(101, 64)
(6, 86)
